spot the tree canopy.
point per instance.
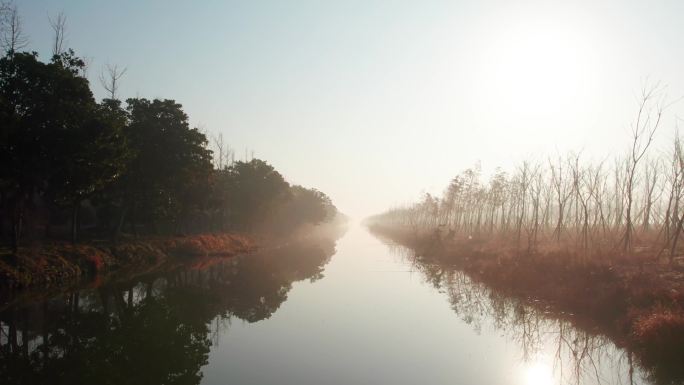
(136, 167)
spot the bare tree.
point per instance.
(568, 201)
(600, 186)
(58, 25)
(562, 193)
(87, 61)
(524, 181)
(677, 191)
(109, 78)
(675, 185)
(643, 131)
(224, 155)
(12, 37)
(536, 189)
(651, 172)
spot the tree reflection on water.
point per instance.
(575, 349)
(157, 329)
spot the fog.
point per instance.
(375, 102)
(362, 191)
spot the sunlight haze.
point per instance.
(316, 192)
(375, 102)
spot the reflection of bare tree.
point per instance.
(578, 355)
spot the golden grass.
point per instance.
(634, 298)
(61, 263)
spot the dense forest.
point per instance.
(72, 166)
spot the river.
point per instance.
(356, 310)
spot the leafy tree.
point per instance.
(54, 141)
(94, 155)
(256, 191)
(170, 162)
(304, 206)
(59, 148)
(24, 163)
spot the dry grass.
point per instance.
(634, 299)
(659, 338)
(206, 245)
(61, 263)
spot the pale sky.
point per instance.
(374, 102)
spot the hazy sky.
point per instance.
(374, 102)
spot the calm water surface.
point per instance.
(355, 311)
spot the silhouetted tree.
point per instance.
(256, 190)
(169, 164)
(12, 37)
(304, 206)
(140, 164)
(48, 119)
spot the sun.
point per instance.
(536, 70)
(538, 374)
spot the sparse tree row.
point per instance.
(69, 162)
(632, 205)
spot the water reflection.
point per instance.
(368, 322)
(157, 329)
(554, 347)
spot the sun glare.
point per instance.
(538, 374)
(536, 70)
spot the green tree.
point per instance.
(256, 190)
(24, 81)
(54, 141)
(170, 164)
(305, 206)
(94, 154)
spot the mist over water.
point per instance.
(181, 186)
(356, 310)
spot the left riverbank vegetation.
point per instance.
(599, 239)
(77, 170)
(172, 316)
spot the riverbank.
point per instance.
(61, 266)
(60, 263)
(638, 305)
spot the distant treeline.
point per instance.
(631, 204)
(599, 241)
(69, 162)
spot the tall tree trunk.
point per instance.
(119, 225)
(675, 239)
(74, 221)
(48, 224)
(17, 222)
(45, 333)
